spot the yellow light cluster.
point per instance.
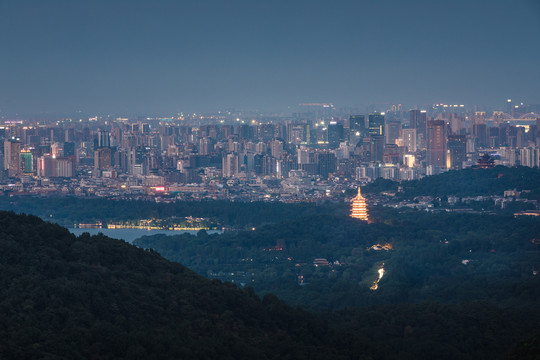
(359, 207)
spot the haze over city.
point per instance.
(269, 180)
(164, 57)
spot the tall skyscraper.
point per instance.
(276, 149)
(102, 158)
(69, 149)
(46, 166)
(266, 132)
(529, 156)
(377, 147)
(303, 155)
(418, 121)
(357, 128)
(230, 165)
(480, 133)
(204, 146)
(64, 167)
(26, 162)
(12, 148)
(326, 164)
(69, 135)
(392, 131)
(436, 146)
(335, 134)
(104, 139)
(376, 124)
(409, 139)
(509, 107)
(298, 133)
(357, 123)
(456, 151)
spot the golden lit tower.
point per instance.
(359, 207)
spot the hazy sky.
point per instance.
(167, 56)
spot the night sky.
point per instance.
(197, 56)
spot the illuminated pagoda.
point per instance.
(359, 207)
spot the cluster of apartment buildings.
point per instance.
(300, 154)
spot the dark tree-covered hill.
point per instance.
(67, 297)
(99, 298)
(445, 257)
(467, 182)
(69, 210)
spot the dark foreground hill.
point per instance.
(67, 297)
(98, 298)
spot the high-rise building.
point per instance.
(359, 207)
(260, 148)
(357, 123)
(56, 135)
(326, 164)
(230, 165)
(436, 146)
(418, 121)
(56, 149)
(247, 160)
(298, 133)
(377, 147)
(392, 154)
(266, 132)
(303, 155)
(69, 149)
(103, 158)
(376, 124)
(409, 139)
(104, 139)
(276, 148)
(357, 128)
(392, 131)
(52, 166)
(26, 162)
(64, 167)
(46, 166)
(509, 107)
(204, 146)
(529, 156)
(12, 148)
(480, 133)
(456, 151)
(335, 134)
(69, 135)
(455, 123)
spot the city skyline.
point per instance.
(140, 57)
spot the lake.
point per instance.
(131, 234)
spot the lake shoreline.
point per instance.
(131, 234)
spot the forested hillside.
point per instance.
(466, 182)
(425, 256)
(94, 297)
(99, 298)
(70, 210)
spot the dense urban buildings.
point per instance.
(304, 156)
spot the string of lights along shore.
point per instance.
(359, 207)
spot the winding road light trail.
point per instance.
(375, 286)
